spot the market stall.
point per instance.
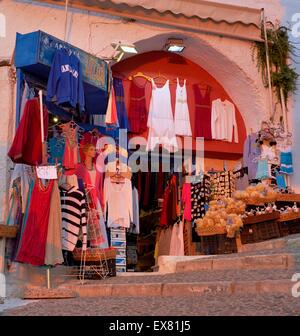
(84, 197)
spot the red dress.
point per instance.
(33, 245)
(137, 113)
(203, 113)
(27, 145)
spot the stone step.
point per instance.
(180, 289)
(282, 261)
(273, 244)
(38, 293)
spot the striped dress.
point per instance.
(73, 208)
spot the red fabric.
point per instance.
(33, 247)
(164, 213)
(186, 199)
(114, 113)
(97, 192)
(160, 184)
(169, 210)
(27, 144)
(137, 113)
(202, 113)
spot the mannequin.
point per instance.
(92, 179)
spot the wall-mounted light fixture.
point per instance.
(174, 45)
(120, 49)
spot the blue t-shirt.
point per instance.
(65, 80)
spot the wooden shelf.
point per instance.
(289, 198)
(289, 217)
(261, 218)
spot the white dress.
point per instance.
(160, 119)
(182, 115)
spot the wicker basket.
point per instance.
(8, 231)
(210, 231)
(95, 254)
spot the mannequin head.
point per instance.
(89, 151)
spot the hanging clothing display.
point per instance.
(56, 149)
(251, 152)
(27, 144)
(182, 114)
(120, 103)
(200, 197)
(177, 242)
(33, 245)
(286, 162)
(222, 184)
(160, 119)
(241, 178)
(70, 158)
(73, 208)
(111, 118)
(263, 170)
(186, 199)
(65, 80)
(202, 112)
(118, 203)
(170, 200)
(53, 254)
(223, 121)
(137, 113)
(25, 173)
(22, 225)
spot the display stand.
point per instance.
(97, 268)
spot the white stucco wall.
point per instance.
(229, 61)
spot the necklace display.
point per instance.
(89, 168)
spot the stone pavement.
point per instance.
(205, 305)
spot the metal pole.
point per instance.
(66, 18)
(284, 112)
(48, 279)
(271, 111)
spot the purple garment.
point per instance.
(251, 152)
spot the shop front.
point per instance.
(117, 162)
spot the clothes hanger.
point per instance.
(162, 77)
(140, 74)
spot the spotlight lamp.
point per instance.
(174, 45)
(120, 49)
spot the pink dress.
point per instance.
(186, 198)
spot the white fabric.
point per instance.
(118, 202)
(182, 114)
(223, 121)
(177, 243)
(160, 119)
(72, 180)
